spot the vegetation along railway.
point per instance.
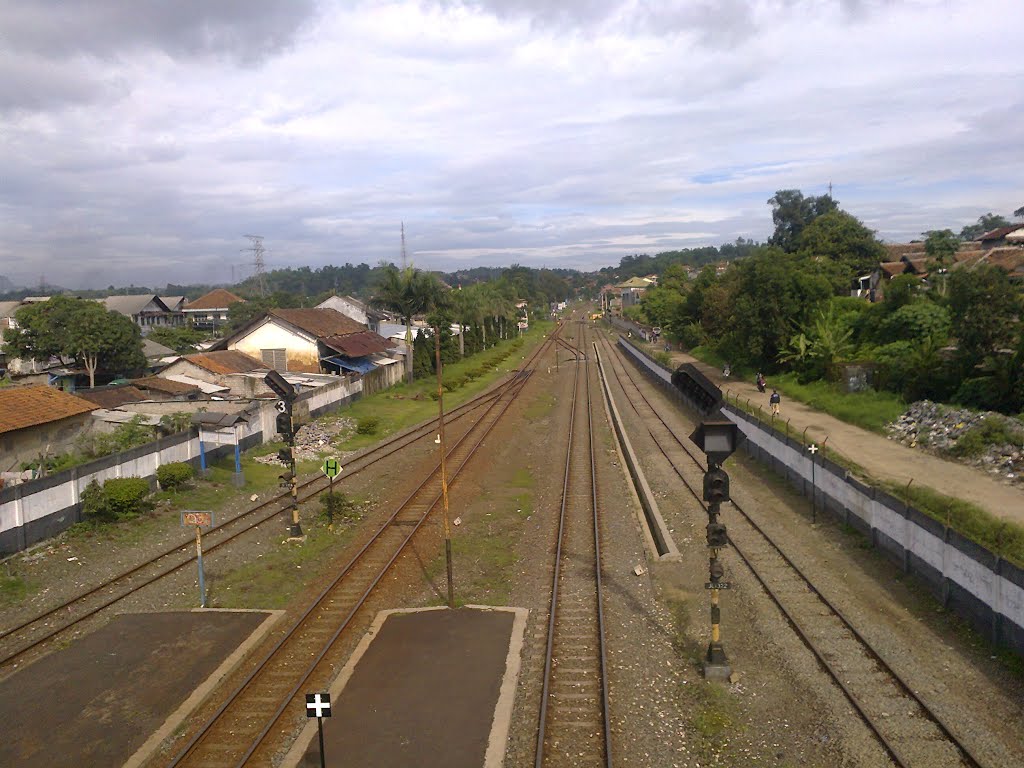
(253, 720)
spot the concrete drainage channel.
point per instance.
(656, 533)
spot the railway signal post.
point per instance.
(286, 428)
(718, 437)
(318, 705)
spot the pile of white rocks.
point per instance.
(315, 438)
(937, 428)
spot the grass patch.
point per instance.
(406, 405)
(1002, 537)
(13, 589)
(993, 430)
(272, 579)
(540, 406)
(491, 553)
(869, 410)
(714, 713)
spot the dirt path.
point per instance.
(880, 457)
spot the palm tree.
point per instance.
(465, 308)
(407, 292)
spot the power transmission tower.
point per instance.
(259, 268)
(405, 259)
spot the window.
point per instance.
(275, 358)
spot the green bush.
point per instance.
(173, 476)
(664, 359)
(368, 425)
(991, 431)
(94, 504)
(126, 496)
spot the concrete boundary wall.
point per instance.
(965, 577)
(39, 509)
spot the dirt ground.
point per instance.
(780, 712)
(882, 458)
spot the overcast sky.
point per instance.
(141, 139)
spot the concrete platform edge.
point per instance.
(152, 744)
(500, 726)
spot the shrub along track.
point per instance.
(904, 724)
(36, 634)
(574, 724)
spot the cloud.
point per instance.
(142, 140)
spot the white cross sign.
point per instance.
(812, 448)
(318, 705)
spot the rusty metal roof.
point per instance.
(218, 298)
(113, 397)
(226, 361)
(319, 322)
(22, 407)
(358, 344)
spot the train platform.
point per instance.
(426, 688)
(110, 697)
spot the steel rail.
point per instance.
(546, 692)
(883, 664)
(374, 454)
(516, 385)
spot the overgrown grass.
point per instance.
(993, 430)
(869, 410)
(1003, 537)
(273, 578)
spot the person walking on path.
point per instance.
(774, 401)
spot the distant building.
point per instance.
(210, 311)
(146, 310)
(355, 309)
(39, 419)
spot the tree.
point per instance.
(182, 340)
(82, 329)
(941, 246)
(792, 212)
(842, 239)
(1019, 213)
(986, 222)
(984, 306)
(407, 292)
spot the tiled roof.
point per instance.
(358, 344)
(226, 361)
(319, 322)
(897, 250)
(893, 268)
(8, 308)
(114, 396)
(22, 407)
(218, 298)
(152, 348)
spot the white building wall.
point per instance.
(301, 349)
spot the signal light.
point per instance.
(285, 455)
(717, 537)
(284, 425)
(716, 486)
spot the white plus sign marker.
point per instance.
(318, 705)
(812, 448)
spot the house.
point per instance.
(36, 420)
(174, 303)
(1002, 236)
(146, 310)
(311, 341)
(632, 290)
(356, 309)
(159, 388)
(222, 368)
(157, 354)
(210, 311)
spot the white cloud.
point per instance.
(143, 146)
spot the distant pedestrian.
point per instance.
(726, 371)
(760, 381)
(774, 401)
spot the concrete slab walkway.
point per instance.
(430, 688)
(882, 458)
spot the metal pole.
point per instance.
(199, 558)
(320, 731)
(444, 472)
(814, 502)
(330, 504)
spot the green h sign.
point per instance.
(331, 468)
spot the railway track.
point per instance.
(240, 732)
(903, 723)
(35, 634)
(574, 716)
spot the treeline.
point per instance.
(640, 264)
(956, 336)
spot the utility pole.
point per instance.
(258, 266)
(444, 472)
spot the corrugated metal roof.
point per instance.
(319, 322)
(226, 361)
(22, 407)
(161, 384)
(113, 397)
(358, 344)
(132, 305)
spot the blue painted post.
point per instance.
(238, 458)
(199, 557)
(202, 456)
